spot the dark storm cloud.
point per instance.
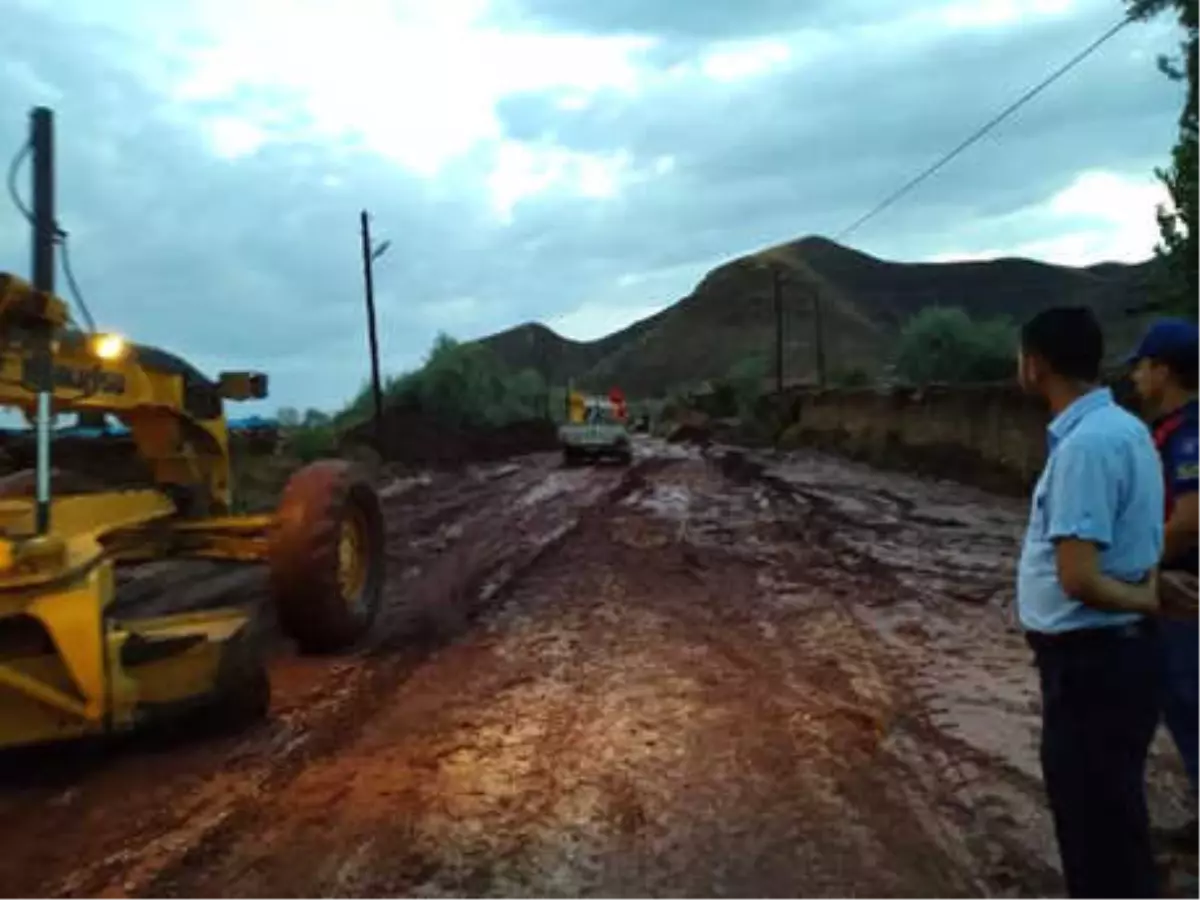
(811, 147)
(254, 262)
(835, 136)
(247, 262)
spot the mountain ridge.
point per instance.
(864, 302)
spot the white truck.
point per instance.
(601, 435)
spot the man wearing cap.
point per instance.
(1164, 378)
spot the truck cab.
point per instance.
(596, 432)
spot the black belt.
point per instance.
(1088, 636)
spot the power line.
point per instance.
(13, 168)
(60, 236)
(73, 285)
(988, 126)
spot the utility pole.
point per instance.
(45, 232)
(819, 341)
(777, 293)
(369, 255)
(41, 144)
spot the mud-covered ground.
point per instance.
(704, 675)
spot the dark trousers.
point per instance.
(1099, 713)
(1179, 656)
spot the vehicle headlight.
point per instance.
(109, 347)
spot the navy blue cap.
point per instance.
(1167, 338)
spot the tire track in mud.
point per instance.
(493, 548)
(491, 556)
(618, 726)
(518, 783)
(154, 806)
(930, 567)
(948, 767)
(704, 677)
(813, 520)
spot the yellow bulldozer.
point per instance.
(71, 664)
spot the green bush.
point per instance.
(734, 394)
(309, 443)
(462, 385)
(308, 436)
(943, 344)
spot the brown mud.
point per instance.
(729, 674)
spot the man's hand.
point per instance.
(1080, 576)
(1179, 595)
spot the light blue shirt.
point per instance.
(1102, 483)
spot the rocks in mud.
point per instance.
(702, 430)
(691, 433)
(691, 426)
(398, 486)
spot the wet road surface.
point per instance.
(717, 674)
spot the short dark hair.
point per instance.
(1069, 339)
(1182, 365)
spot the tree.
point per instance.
(460, 385)
(1177, 249)
(944, 344)
(746, 378)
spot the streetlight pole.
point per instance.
(41, 143)
(369, 255)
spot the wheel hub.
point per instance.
(352, 559)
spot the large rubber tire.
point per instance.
(326, 596)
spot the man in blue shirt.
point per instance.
(1164, 379)
(1086, 579)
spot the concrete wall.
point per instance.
(990, 435)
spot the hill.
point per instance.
(864, 302)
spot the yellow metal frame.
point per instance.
(181, 448)
(68, 666)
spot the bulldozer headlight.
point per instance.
(109, 347)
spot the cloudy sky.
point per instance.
(578, 162)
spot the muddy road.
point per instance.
(717, 675)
